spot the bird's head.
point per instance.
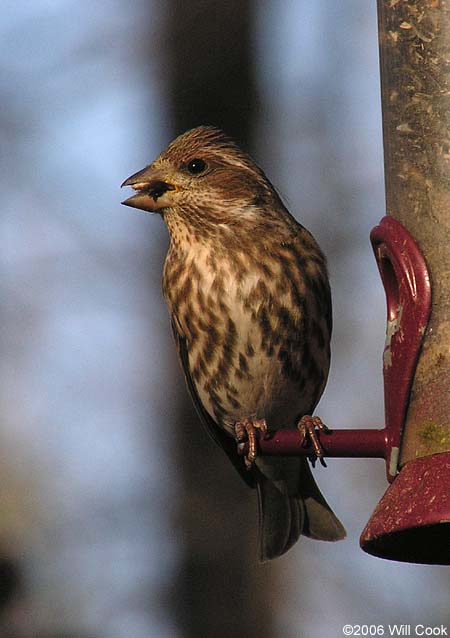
(203, 174)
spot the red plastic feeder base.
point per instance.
(412, 521)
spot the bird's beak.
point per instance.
(151, 190)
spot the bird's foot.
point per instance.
(246, 430)
(307, 427)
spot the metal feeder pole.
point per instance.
(415, 88)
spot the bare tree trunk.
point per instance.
(221, 589)
(211, 65)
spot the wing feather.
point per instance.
(218, 435)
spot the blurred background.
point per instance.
(118, 517)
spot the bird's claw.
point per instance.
(307, 427)
(246, 430)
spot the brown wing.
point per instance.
(218, 435)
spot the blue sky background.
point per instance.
(89, 374)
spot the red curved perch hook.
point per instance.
(407, 286)
(408, 296)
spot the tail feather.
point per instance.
(320, 521)
(289, 508)
(281, 519)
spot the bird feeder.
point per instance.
(412, 520)
(412, 249)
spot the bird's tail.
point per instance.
(290, 504)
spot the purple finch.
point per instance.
(249, 299)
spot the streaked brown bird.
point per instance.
(249, 299)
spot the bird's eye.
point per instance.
(196, 166)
